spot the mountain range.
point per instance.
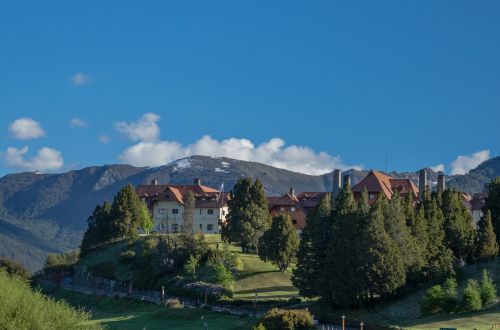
(45, 213)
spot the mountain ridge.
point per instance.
(42, 213)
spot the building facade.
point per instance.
(166, 204)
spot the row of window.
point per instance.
(175, 227)
(176, 211)
(283, 209)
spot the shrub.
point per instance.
(450, 298)
(433, 300)
(199, 289)
(190, 267)
(14, 268)
(173, 303)
(280, 319)
(216, 273)
(488, 291)
(127, 256)
(471, 300)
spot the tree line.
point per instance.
(352, 252)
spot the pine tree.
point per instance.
(385, 266)
(486, 243)
(395, 224)
(493, 205)
(240, 198)
(280, 243)
(488, 290)
(439, 257)
(458, 225)
(313, 248)
(99, 228)
(188, 215)
(146, 221)
(248, 216)
(471, 299)
(126, 213)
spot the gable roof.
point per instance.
(379, 182)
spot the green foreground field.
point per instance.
(114, 313)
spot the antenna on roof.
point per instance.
(386, 159)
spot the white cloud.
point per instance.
(80, 79)
(78, 122)
(145, 129)
(26, 128)
(438, 168)
(46, 159)
(104, 139)
(464, 163)
(151, 152)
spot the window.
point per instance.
(210, 227)
(201, 226)
(210, 211)
(175, 211)
(161, 211)
(371, 196)
(201, 211)
(223, 212)
(175, 227)
(292, 209)
(282, 209)
(294, 221)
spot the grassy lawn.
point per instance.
(257, 276)
(113, 313)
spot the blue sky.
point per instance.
(338, 84)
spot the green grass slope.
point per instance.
(114, 313)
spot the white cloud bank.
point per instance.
(80, 79)
(78, 122)
(150, 151)
(464, 163)
(46, 159)
(26, 128)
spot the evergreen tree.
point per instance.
(343, 279)
(313, 248)
(487, 289)
(385, 265)
(280, 243)
(99, 228)
(493, 205)
(450, 296)
(248, 216)
(188, 215)
(240, 199)
(126, 213)
(486, 243)
(395, 224)
(146, 220)
(458, 225)
(471, 299)
(439, 257)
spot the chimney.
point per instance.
(422, 182)
(347, 180)
(292, 191)
(154, 182)
(197, 182)
(441, 183)
(337, 183)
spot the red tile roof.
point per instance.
(376, 182)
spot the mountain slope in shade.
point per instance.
(476, 179)
(42, 213)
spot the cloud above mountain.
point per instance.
(151, 151)
(26, 128)
(46, 159)
(464, 163)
